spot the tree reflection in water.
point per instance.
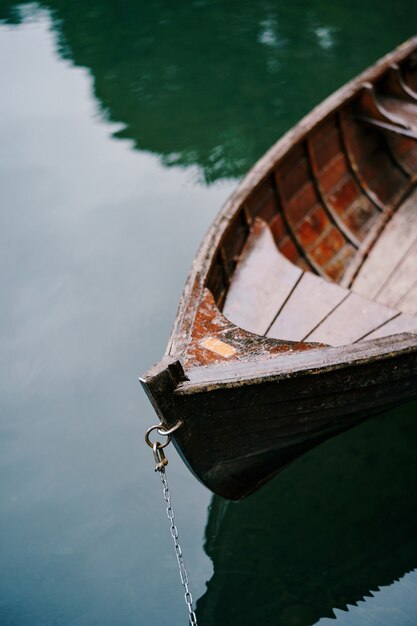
(213, 83)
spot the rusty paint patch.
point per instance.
(218, 346)
(209, 322)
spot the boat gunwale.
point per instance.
(195, 284)
(290, 365)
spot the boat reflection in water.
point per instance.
(334, 526)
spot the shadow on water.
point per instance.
(337, 524)
(214, 83)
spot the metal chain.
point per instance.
(178, 552)
(161, 463)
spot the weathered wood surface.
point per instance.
(394, 114)
(400, 280)
(294, 365)
(310, 302)
(215, 340)
(394, 84)
(270, 296)
(255, 428)
(262, 281)
(351, 320)
(403, 112)
(390, 251)
(331, 206)
(402, 323)
(408, 302)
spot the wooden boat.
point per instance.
(298, 319)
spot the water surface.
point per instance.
(124, 126)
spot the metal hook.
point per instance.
(157, 447)
(159, 456)
(166, 433)
(162, 431)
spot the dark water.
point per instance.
(124, 126)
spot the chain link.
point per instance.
(178, 551)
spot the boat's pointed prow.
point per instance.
(159, 383)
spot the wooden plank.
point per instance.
(410, 78)
(325, 143)
(408, 304)
(261, 283)
(354, 318)
(290, 243)
(312, 299)
(293, 173)
(400, 324)
(234, 241)
(217, 280)
(341, 261)
(394, 85)
(327, 247)
(387, 252)
(387, 111)
(350, 139)
(403, 112)
(401, 279)
(386, 180)
(258, 197)
(325, 180)
(404, 151)
(310, 363)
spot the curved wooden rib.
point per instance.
(379, 172)
(315, 172)
(354, 165)
(408, 72)
(386, 112)
(395, 85)
(292, 233)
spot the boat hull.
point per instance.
(245, 427)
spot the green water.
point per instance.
(124, 126)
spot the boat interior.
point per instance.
(324, 249)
